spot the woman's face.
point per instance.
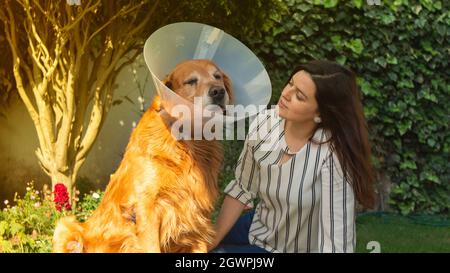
(297, 102)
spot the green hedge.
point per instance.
(400, 51)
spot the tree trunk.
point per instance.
(67, 180)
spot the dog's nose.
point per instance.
(216, 93)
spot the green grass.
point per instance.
(399, 234)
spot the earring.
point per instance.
(317, 120)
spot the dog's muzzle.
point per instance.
(217, 94)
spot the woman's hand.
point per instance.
(229, 213)
(213, 245)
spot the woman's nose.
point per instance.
(287, 92)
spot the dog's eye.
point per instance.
(191, 81)
(218, 76)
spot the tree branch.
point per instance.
(121, 13)
(47, 15)
(81, 16)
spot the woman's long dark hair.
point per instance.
(341, 111)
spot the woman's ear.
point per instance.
(228, 86)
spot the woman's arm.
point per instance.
(229, 213)
(337, 213)
(239, 192)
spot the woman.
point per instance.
(314, 166)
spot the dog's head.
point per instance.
(201, 78)
(70, 237)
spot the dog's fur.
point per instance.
(161, 197)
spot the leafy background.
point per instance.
(400, 52)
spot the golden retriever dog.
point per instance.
(162, 195)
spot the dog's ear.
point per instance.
(228, 86)
(74, 247)
(68, 236)
(156, 105)
(168, 81)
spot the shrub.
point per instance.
(28, 223)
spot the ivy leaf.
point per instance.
(330, 3)
(387, 19)
(403, 127)
(367, 89)
(317, 2)
(426, 94)
(408, 164)
(405, 83)
(304, 7)
(428, 4)
(431, 142)
(392, 76)
(370, 112)
(420, 22)
(428, 47)
(355, 45)
(391, 59)
(278, 52)
(437, 5)
(416, 9)
(337, 42)
(441, 29)
(307, 30)
(430, 176)
(277, 31)
(381, 61)
(357, 3)
(406, 209)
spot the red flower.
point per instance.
(61, 197)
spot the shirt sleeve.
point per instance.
(244, 186)
(337, 212)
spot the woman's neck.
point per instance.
(300, 130)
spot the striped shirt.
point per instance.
(304, 203)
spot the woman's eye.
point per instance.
(191, 81)
(217, 77)
(299, 96)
